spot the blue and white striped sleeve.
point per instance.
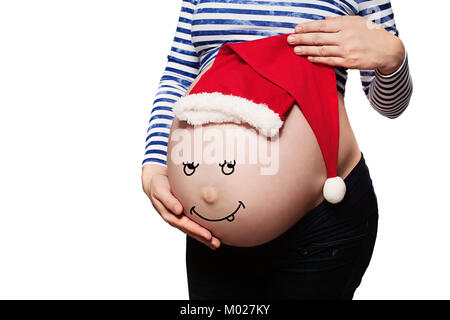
(387, 94)
(181, 70)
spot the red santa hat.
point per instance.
(257, 82)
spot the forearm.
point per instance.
(390, 94)
(389, 86)
(181, 70)
(160, 122)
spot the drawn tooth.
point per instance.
(230, 218)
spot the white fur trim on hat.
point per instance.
(201, 108)
(334, 190)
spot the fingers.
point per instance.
(192, 229)
(331, 61)
(319, 51)
(161, 191)
(186, 225)
(157, 188)
(328, 25)
(213, 244)
(314, 39)
(171, 211)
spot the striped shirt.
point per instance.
(205, 25)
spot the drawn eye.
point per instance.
(189, 168)
(228, 167)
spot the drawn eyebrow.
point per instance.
(225, 162)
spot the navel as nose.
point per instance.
(209, 194)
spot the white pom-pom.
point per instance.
(334, 190)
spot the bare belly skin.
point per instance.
(241, 206)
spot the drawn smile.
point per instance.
(229, 217)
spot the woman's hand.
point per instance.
(156, 185)
(351, 42)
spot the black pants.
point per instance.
(323, 256)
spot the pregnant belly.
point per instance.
(245, 188)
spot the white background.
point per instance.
(77, 80)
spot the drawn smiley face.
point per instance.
(229, 217)
(227, 168)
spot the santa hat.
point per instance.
(257, 82)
